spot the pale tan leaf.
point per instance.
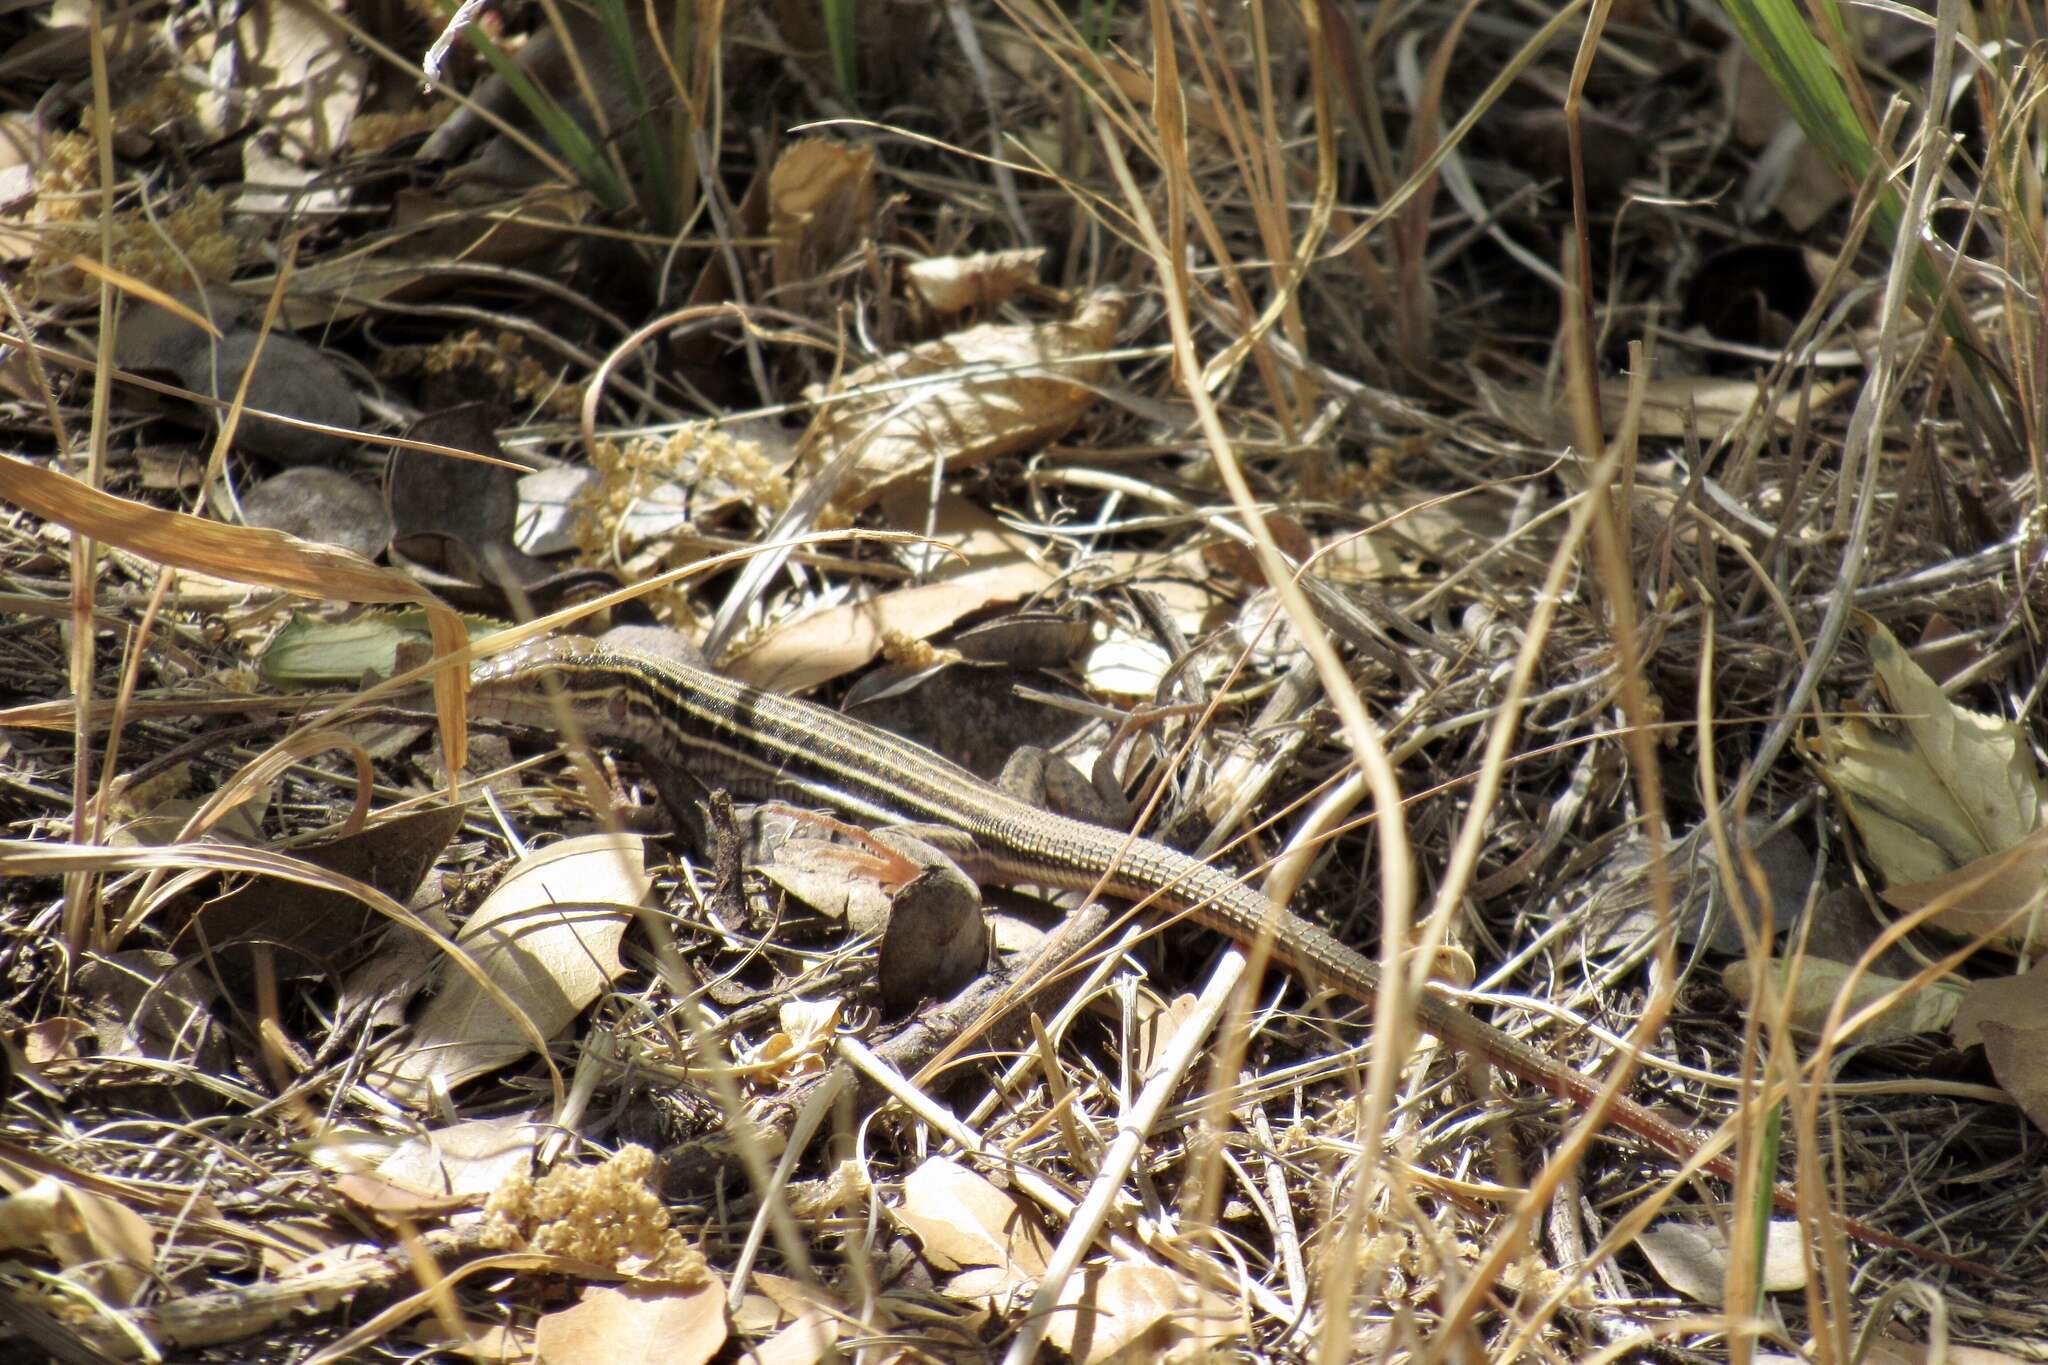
(496, 1344)
(22, 151)
(992, 390)
(993, 566)
(963, 1220)
(300, 74)
(1139, 1312)
(821, 202)
(1937, 787)
(548, 936)
(1127, 665)
(812, 1337)
(470, 1158)
(636, 1324)
(2009, 1016)
(1819, 981)
(2003, 893)
(954, 284)
(1693, 1258)
(798, 1048)
(100, 1241)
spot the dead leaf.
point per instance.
(147, 1004)
(1927, 1010)
(1240, 561)
(995, 566)
(22, 153)
(471, 1158)
(315, 927)
(98, 1241)
(549, 937)
(2003, 893)
(1710, 405)
(954, 284)
(293, 378)
(936, 940)
(299, 82)
(966, 399)
(636, 1324)
(812, 1337)
(1156, 1031)
(1127, 665)
(496, 1344)
(1939, 786)
(963, 1220)
(1693, 1259)
(298, 75)
(1139, 1312)
(821, 202)
(798, 1048)
(2009, 1016)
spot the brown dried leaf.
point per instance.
(2009, 1016)
(2003, 893)
(102, 1242)
(1938, 787)
(994, 566)
(821, 201)
(1239, 561)
(1818, 981)
(1139, 1312)
(636, 1324)
(299, 77)
(963, 1220)
(549, 937)
(1694, 1260)
(993, 390)
(954, 284)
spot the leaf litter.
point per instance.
(856, 344)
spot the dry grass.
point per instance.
(1427, 290)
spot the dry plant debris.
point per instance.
(1491, 473)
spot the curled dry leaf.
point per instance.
(797, 1049)
(1937, 787)
(549, 937)
(994, 565)
(293, 378)
(954, 284)
(991, 390)
(100, 1242)
(821, 202)
(1241, 561)
(1127, 665)
(317, 503)
(936, 940)
(302, 82)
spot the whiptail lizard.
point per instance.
(695, 731)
